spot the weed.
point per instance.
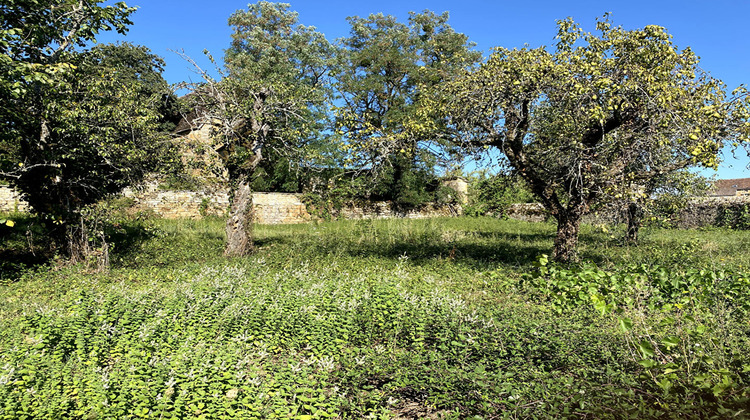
(451, 318)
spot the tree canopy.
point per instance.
(599, 111)
(599, 117)
(77, 125)
(383, 67)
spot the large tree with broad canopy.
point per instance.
(598, 114)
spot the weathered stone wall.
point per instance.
(707, 211)
(10, 200)
(528, 212)
(386, 210)
(200, 157)
(178, 204)
(279, 208)
(460, 186)
(270, 208)
(699, 212)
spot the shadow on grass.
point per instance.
(481, 250)
(15, 262)
(23, 247)
(138, 246)
(501, 251)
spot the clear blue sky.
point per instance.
(718, 31)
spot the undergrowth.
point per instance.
(440, 318)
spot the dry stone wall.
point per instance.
(528, 212)
(699, 212)
(386, 210)
(708, 211)
(283, 208)
(270, 208)
(10, 200)
(178, 204)
(279, 208)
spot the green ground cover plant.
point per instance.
(438, 318)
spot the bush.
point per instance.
(492, 195)
(734, 216)
(685, 327)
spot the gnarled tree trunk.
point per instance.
(634, 216)
(239, 226)
(566, 240)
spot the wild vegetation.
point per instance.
(105, 314)
(603, 116)
(440, 318)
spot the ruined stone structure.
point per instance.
(200, 155)
(461, 186)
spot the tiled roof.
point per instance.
(728, 187)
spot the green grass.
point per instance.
(437, 318)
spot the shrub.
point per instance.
(491, 195)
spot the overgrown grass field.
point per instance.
(440, 318)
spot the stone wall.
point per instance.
(279, 208)
(707, 211)
(10, 200)
(528, 212)
(699, 212)
(386, 210)
(270, 208)
(178, 204)
(282, 208)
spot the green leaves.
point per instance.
(626, 324)
(383, 69)
(82, 123)
(272, 99)
(600, 115)
(646, 349)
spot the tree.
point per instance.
(273, 95)
(617, 108)
(136, 65)
(664, 194)
(75, 129)
(383, 67)
(35, 37)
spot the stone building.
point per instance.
(730, 188)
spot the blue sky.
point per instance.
(717, 31)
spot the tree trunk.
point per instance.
(634, 216)
(568, 224)
(240, 223)
(80, 244)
